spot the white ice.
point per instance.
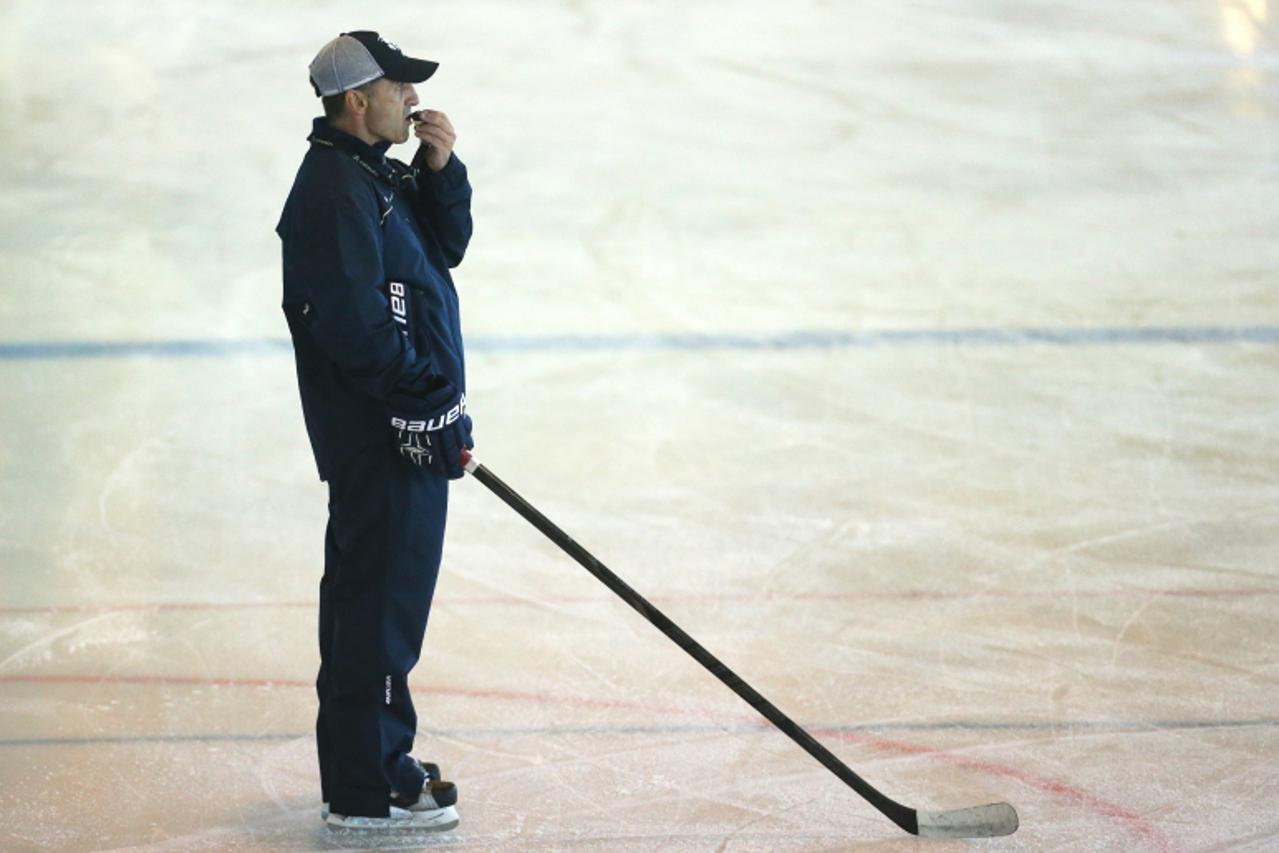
(920, 359)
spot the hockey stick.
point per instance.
(975, 822)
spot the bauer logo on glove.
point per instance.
(431, 424)
(435, 441)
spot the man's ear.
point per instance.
(356, 102)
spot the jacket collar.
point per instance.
(330, 136)
(371, 158)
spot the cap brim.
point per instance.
(412, 70)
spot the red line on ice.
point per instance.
(1128, 818)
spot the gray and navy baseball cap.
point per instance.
(355, 58)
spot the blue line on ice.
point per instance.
(800, 339)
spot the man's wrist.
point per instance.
(423, 157)
(451, 175)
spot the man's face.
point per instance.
(387, 116)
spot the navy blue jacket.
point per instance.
(368, 243)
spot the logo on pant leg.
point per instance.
(388, 690)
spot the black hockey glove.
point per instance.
(435, 440)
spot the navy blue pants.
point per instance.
(381, 559)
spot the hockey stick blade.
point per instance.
(976, 822)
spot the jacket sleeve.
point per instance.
(338, 258)
(444, 205)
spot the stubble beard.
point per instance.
(395, 134)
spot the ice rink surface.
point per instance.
(920, 359)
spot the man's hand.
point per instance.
(436, 132)
(433, 435)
